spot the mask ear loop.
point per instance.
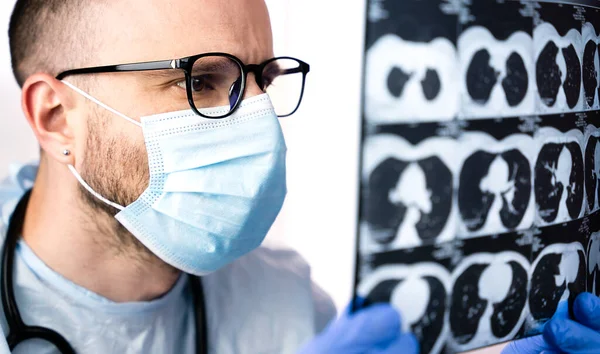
(89, 97)
(72, 168)
(93, 192)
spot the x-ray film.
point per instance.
(480, 165)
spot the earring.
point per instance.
(67, 152)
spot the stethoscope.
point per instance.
(18, 331)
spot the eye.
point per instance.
(198, 84)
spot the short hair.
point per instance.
(47, 36)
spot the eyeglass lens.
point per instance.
(217, 82)
(284, 82)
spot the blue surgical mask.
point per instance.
(216, 186)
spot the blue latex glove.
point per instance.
(578, 336)
(373, 330)
(562, 334)
(531, 345)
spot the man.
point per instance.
(123, 206)
(162, 156)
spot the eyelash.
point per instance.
(267, 81)
(182, 83)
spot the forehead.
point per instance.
(144, 30)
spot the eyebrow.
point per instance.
(209, 67)
(162, 74)
(214, 66)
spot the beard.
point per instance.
(117, 170)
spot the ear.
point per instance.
(45, 102)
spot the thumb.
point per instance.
(405, 344)
(531, 345)
(375, 325)
(587, 310)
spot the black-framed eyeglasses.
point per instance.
(219, 79)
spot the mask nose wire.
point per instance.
(101, 104)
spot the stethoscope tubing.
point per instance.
(19, 332)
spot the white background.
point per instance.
(319, 217)
(17, 143)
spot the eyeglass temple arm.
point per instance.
(292, 71)
(153, 65)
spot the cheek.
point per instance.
(120, 149)
(126, 161)
(130, 149)
(133, 136)
(136, 96)
(114, 159)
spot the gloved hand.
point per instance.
(562, 334)
(578, 336)
(373, 330)
(531, 345)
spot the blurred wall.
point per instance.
(17, 143)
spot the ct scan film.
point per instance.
(480, 165)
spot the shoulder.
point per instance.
(278, 280)
(278, 261)
(3, 344)
(12, 188)
(266, 268)
(290, 266)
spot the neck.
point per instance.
(82, 244)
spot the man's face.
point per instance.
(114, 159)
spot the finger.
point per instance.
(587, 310)
(405, 344)
(354, 306)
(374, 326)
(562, 311)
(571, 337)
(357, 304)
(531, 345)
